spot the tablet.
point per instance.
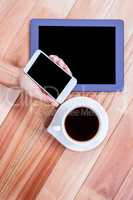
(93, 49)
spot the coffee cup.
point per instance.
(80, 124)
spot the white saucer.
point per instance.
(56, 127)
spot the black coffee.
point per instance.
(82, 124)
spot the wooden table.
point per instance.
(33, 164)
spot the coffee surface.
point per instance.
(81, 124)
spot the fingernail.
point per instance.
(61, 63)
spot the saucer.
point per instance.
(56, 129)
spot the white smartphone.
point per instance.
(56, 82)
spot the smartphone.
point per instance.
(41, 69)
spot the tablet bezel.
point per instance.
(119, 47)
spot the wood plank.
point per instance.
(90, 194)
(60, 7)
(90, 9)
(31, 160)
(9, 76)
(36, 158)
(105, 9)
(16, 17)
(126, 191)
(7, 130)
(87, 159)
(122, 102)
(45, 9)
(7, 10)
(7, 99)
(121, 99)
(115, 103)
(111, 163)
(11, 24)
(29, 149)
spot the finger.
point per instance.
(61, 63)
(57, 60)
(54, 58)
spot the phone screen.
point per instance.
(48, 75)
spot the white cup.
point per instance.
(58, 130)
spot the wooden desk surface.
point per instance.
(33, 165)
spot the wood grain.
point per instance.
(126, 191)
(33, 165)
(113, 105)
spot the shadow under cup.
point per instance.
(81, 124)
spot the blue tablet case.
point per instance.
(53, 27)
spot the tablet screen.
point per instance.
(88, 51)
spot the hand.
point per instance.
(34, 90)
